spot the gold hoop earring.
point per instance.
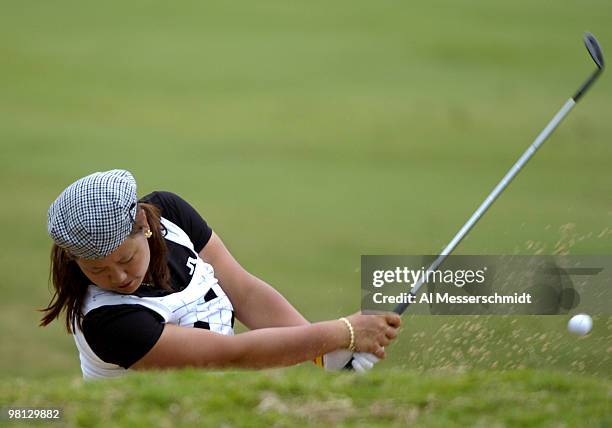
(148, 233)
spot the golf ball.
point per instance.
(580, 324)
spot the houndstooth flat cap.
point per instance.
(95, 214)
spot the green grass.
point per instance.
(308, 134)
(307, 396)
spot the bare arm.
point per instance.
(248, 293)
(268, 347)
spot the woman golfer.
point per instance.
(147, 284)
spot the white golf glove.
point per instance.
(337, 360)
(364, 361)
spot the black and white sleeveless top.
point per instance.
(119, 329)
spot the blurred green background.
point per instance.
(308, 134)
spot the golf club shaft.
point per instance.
(567, 107)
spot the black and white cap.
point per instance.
(95, 214)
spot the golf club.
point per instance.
(595, 51)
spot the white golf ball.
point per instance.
(580, 324)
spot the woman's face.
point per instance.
(124, 269)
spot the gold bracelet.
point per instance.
(351, 346)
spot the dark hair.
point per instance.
(70, 283)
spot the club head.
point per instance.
(594, 49)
